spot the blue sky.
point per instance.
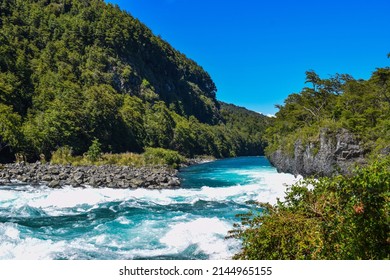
(257, 51)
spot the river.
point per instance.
(186, 223)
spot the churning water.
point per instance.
(187, 223)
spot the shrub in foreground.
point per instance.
(344, 217)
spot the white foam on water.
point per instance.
(8, 197)
(12, 246)
(123, 221)
(146, 253)
(100, 239)
(277, 184)
(267, 186)
(30, 249)
(152, 237)
(207, 233)
(11, 232)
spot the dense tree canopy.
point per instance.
(74, 71)
(360, 106)
(340, 217)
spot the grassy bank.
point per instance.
(94, 156)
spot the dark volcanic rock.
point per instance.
(109, 176)
(173, 182)
(332, 154)
(54, 184)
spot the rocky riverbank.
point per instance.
(197, 160)
(110, 176)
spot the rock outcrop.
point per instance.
(110, 176)
(333, 153)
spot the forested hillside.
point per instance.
(248, 126)
(332, 124)
(337, 129)
(76, 71)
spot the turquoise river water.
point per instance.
(186, 223)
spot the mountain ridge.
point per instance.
(74, 71)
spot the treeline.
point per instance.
(360, 106)
(77, 71)
(339, 217)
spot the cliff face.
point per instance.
(333, 153)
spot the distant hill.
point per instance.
(251, 125)
(74, 71)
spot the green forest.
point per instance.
(339, 102)
(73, 72)
(82, 80)
(345, 216)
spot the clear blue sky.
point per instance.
(257, 51)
